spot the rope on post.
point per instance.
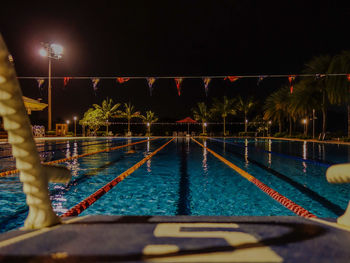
(80, 207)
(6, 173)
(295, 208)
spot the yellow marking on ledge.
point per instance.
(25, 236)
(245, 247)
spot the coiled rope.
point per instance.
(295, 208)
(80, 207)
(6, 173)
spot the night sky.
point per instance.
(168, 38)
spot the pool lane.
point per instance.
(13, 209)
(304, 184)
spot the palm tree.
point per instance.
(149, 119)
(224, 108)
(202, 114)
(304, 99)
(244, 106)
(107, 110)
(322, 65)
(128, 114)
(277, 108)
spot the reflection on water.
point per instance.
(149, 162)
(204, 162)
(270, 149)
(67, 150)
(60, 201)
(321, 152)
(246, 152)
(304, 155)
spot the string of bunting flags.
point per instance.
(179, 80)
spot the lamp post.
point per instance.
(149, 128)
(205, 128)
(51, 51)
(75, 126)
(269, 128)
(305, 122)
(313, 123)
(67, 125)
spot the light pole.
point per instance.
(51, 51)
(305, 122)
(269, 128)
(313, 123)
(75, 126)
(67, 125)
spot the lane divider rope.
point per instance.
(295, 208)
(80, 207)
(6, 173)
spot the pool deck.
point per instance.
(179, 239)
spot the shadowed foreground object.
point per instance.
(33, 174)
(179, 239)
(339, 174)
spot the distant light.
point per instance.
(67, 122)
(205, 124)
(148, 124)
(246, 121)
(270, 122)
(57, 50)
(75, 118)
(43, 52)
(304, 121)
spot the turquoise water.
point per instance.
(185, 179)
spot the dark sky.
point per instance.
(168, 38)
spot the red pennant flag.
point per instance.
(178, 85)
(291, 79)
(348, 77)
(66, 80)
(231, 78)
(122, 80)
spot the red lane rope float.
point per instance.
(80, 207)
(4, 174)
(295, 208)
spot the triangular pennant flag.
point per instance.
(260, 78)
(40, 82)
(291, 79)
(206, 82)
(178, 82)
(319, 76)
(95, 81)
(66, 80)
(122, 80)
(150, 82)
(348, 77)
(231, 78)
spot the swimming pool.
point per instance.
(184, 178)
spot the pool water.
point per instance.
(185, 179)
